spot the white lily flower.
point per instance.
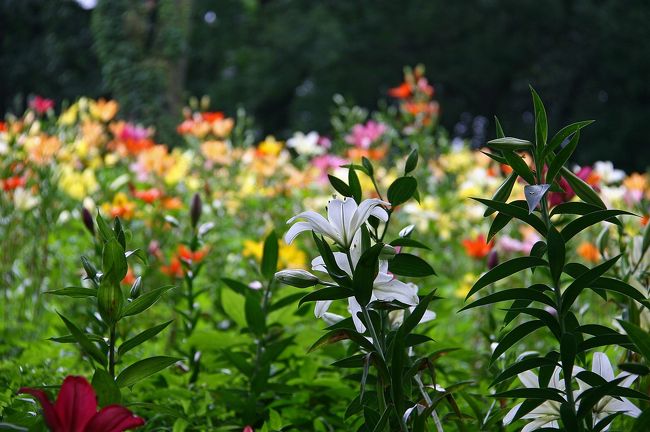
(344, 219)
(608, 405)
(607, 173)
(385, 286)
(547, 414)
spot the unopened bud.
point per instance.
(196, 209)
(297, 278)
(136, 288)
(405, 232)
(88, 220)
(492, 259)
(388, 252)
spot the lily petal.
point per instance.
(51, 417)
(76, 403)
(113, 418)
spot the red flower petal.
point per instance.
(76, 403)
(51, 417)
(113, 418)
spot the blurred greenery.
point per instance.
(284, 59)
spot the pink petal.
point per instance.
(51, 417)
(113, 418)
(76, 403)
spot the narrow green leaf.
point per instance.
(365, 273)
(503, 192)
(516, 209)
(563, 134)
(583, 281)
(330, 293)
(640, 337)
(408, 242)
(576, 226)
(144, 368)
(74, 292)
(504, 270)
(500, 221)
(532, 393)
(145, 301)
(269, 262)
(520, 166)
(355, 186)
(514, 336)
(582, 189)
(511, 294)
(255, 317)
(509, 144)
(405, 264)
(561, 158)
(107, 391)
(556, 253)
(523, 365)
(85, 343)
(129, 344)
(541, 121)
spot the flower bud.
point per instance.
(492, 259)
(388, 252)
(136, 288)
(195, 210)
(88, 220)
(297, 278)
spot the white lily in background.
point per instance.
(344, 219)
(385, 286)
(608, 405)
(547, 414)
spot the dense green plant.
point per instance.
(553, 304)
(385, 311)
(113, 307)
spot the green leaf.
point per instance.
(236, 286)
(409, 242)
(541, 121)
(500, 221)
(139, 254)
(504, 270)
(640, 337)
(568, 417)
(568, 352)
(108, 392)
(145, 301)
(556, 253)
(512, 294)
(503, 192)
(618, 286)
(646, 241)
(74, 292)
(416, 316)
(355, 186)
(255, 317)
(574, 208)
(590, 219)
(520, 166)
(583, 281)
(105, 230)
(411, 161)
(523, 365)
(114, 262)
(514, 336)
(405, 264)
(365, 273)
(129, 344)
(561, 158)
(370, 171)
(89, 347)
(340, 186)
(401, 190)
(144, 368)
(330, 293)
(499, 129)
(333, 269)
(516, 209)
(270, 256)
(582, 189)
(510, 144)
(563, 134)
(342, 334)
(532, 393)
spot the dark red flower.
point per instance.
(75, 410)
(585, 173)
(41, 105)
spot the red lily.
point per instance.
(41, 105)
(75, 410)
